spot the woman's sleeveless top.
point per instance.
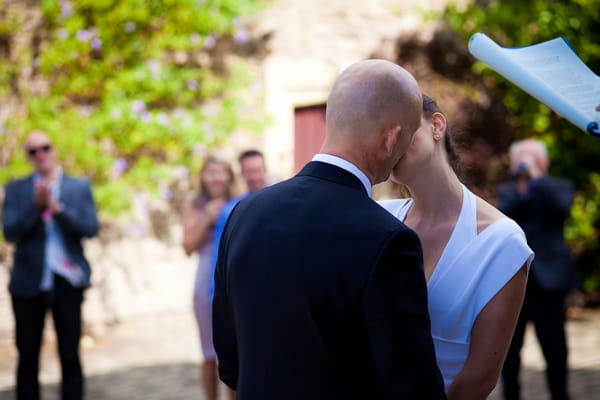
(472, 269)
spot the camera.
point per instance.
(522, 170)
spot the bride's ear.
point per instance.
(438, 123)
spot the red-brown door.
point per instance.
(309, 133)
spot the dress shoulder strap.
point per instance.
(466, 225)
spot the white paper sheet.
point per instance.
(551, 72)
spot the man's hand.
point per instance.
(526, 165)
(54, 206)
(41, 196)
(525, 169)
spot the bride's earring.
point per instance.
(437, 137)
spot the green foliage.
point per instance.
(133, 90)
(574, 154)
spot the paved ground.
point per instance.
(157, 360)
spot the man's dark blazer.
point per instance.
(320, 294)
(22, 225)
(541, 213)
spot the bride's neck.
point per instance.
(437, 195)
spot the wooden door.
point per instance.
(309, 133)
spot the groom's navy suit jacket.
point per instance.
(320, 294)
(23, 225)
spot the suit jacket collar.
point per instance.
(331, 173)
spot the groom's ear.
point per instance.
(391, 138)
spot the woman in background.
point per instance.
(475, 261)
(199, 215)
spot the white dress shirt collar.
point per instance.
(347, 165)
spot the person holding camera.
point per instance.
(540, 204)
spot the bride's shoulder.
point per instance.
(487, 214)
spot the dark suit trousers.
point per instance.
(65, 303)
(547, 312)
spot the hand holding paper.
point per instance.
(551, 72)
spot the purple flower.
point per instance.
(66, 10)
(210, 42)
(62, 33)
(166, 193)
(192, 84)
(154, 67)
(96, 44)
(146, 116)
(84, 35)
(162, 118)
(119, 166)
(130, 26)
(199, 149)
(138, 106)
(241, 36)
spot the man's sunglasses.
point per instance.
(32, 151)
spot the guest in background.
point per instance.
(46, 215)
(254, 174)
(540, 204)
(199, 216)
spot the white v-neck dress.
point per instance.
(471, 270)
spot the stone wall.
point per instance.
(137, 278)
(134, 277)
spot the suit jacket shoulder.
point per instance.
(14, 183)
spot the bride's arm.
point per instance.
(490, 339)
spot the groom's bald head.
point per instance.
(369, 94)
(370, 98)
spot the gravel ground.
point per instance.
(158, 359)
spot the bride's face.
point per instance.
(419, 151)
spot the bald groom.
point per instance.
(320, 292)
